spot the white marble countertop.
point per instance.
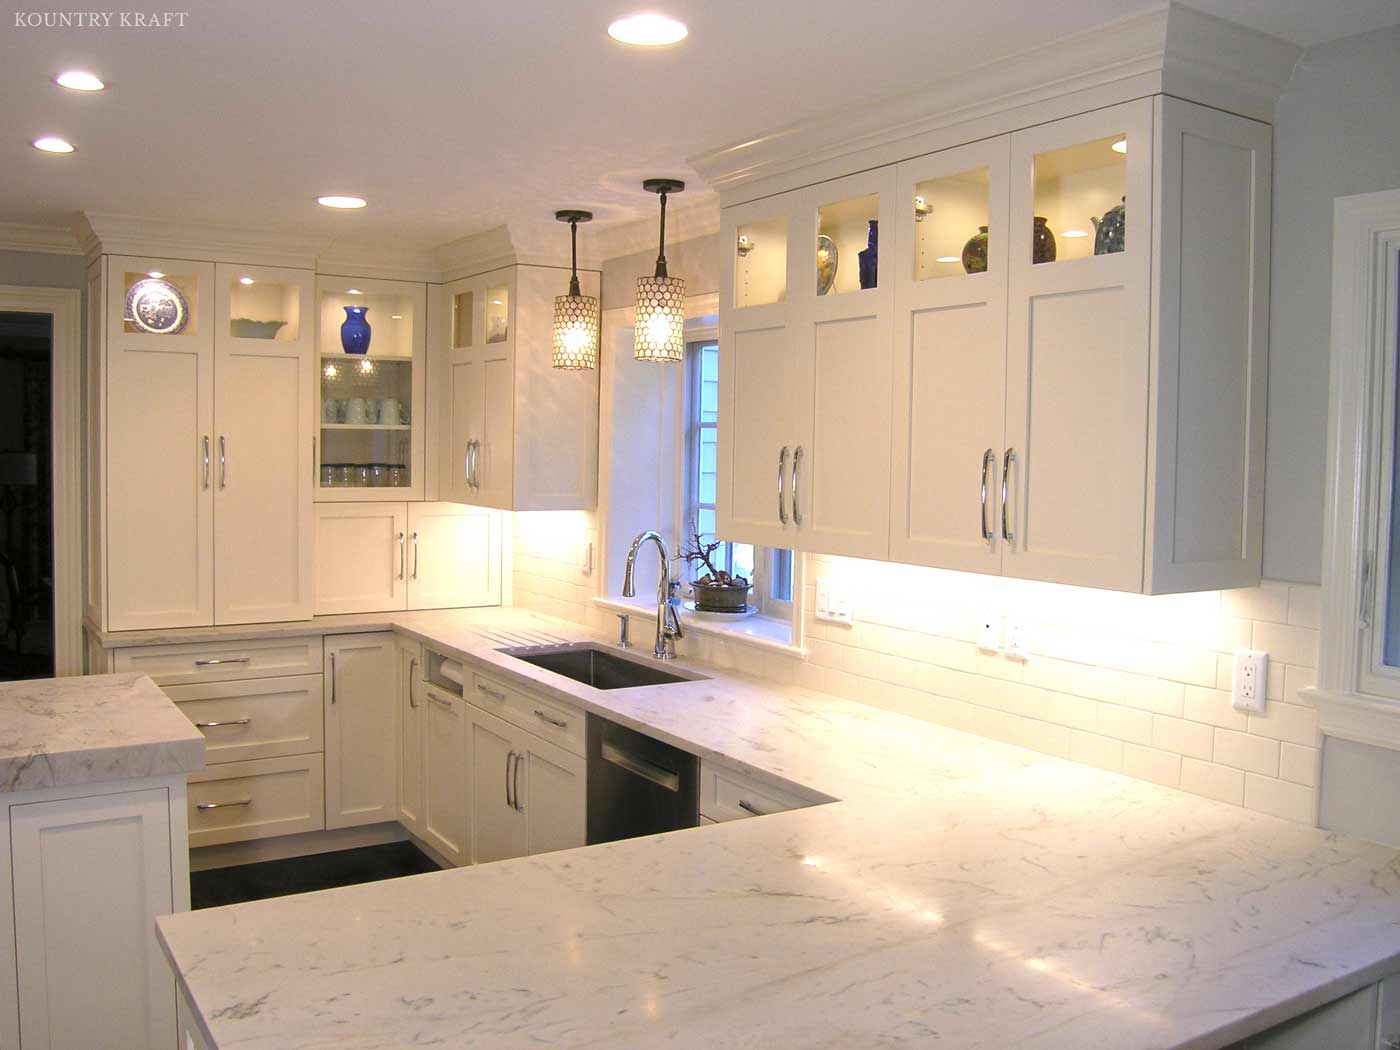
(57, 732)
(963, 894)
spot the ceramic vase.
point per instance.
(1110, 230)
(1042, 242)
(355, 330)
(870, 257)
(974, 253)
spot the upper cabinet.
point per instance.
(371, 338)
(1041, 354)
(515, 433)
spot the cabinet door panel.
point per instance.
(552, 792)
(361, 557)
(411, 765)
(464, 372)
(361, 682)
(446, 785)
(498, 829)
(265, 535)
(90, 876)
(454, 556)
(496, 469)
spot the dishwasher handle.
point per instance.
(658, 775)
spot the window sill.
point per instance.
(759, 631)
(1354, 716)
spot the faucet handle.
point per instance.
(624, 620)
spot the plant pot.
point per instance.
(715, 599)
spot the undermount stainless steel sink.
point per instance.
(599, 667)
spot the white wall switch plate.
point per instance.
(1015, 642)
(833, 603)
(1250, 680)
(585, 557)
(989, 634)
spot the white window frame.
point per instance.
(1357, 695)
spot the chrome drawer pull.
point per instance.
(782, 466)
(796, 481)
(749, 807)
(552, 721)
(658, 775)
(988, 534)
(223, 462)
(224, 660)
(223, 805)
(230, 722)
(492, 693)
(412, 663)
(1006, 462)
(510, 762)
(519, 761)
(415, 556)
(206, 461)
(332, 677)
(399, 541)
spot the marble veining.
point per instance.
(963, 894)
(57, 732)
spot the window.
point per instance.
(768, 569)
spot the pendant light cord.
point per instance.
(573, 258)
(661, 249)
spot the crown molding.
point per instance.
(107, 234)
(534, 244)
(1169, 48)
(27, 237)
(630, 238)
(386, 260)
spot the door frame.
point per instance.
(65, 306)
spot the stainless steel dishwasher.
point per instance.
(637, 785)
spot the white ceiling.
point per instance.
(454, 116)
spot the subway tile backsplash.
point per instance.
(1138, 685)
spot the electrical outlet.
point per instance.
(585, 557)
(1015, 643)
(833, 603)
(989, 634)
(1250, 680)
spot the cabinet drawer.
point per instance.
(729, 795)
(257, 800)
(263, 718)
(550, 720)
(188, 663)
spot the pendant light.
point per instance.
(661, 298)
(575, 315)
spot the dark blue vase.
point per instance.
(355, 331)
(870, 258)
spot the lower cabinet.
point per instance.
(260, 799)
(446, 789)
(361, 690)
(82, 880)
(528, 795)
(726, 794)
(1368, 1019)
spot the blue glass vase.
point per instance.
(355, 331)
(870, 257)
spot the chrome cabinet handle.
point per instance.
(332, 678)
(224, 660)
(749, 807)
(223, 805)
(412, 664)
(415, 556)
(559, 722)
(988, 458)
(230, 722)
(510, 762)
(519, 761)
(796, 481)
(492, 693)
(206, 461)
(399, 540)
(635, 764)
(1006, 462)
(223, 462)
(782, 466)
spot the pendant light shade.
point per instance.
(661, 297)
(576, 315)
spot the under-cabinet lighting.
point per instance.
(246, 280)
(648, 29)
(335, 200)
(948, 259)
(77, 80)
(1074, 233)
(1121, 146)
(53, 144)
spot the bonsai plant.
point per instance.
(715, 590)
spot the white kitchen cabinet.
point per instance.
(726, 794)
(528, 796)
(518, 433)
(86, 876)
(1347, 1024)
(1089, 419)
(379, 557)
(361, 693)
(447, 784)
(259, 718)
(203, 472)
(411, 738)
(258, 799)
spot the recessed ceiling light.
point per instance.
(50, 144)
(1121, 146)
(648, 30)
(156, 274)
(354, 291)
(396, 317)
(337, 201)
(1074, 233)
(246, 280)
(77, 80)
(948, 259)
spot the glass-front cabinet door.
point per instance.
(371, 391)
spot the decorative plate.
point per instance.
(826, 263)
(156, 307)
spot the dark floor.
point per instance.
(320, 871)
